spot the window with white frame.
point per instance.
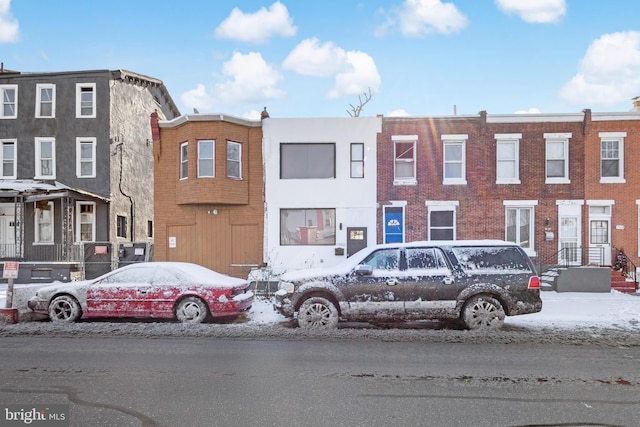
(557, 158)
(442, 220)
(184, 160)
(234, 160)
(508, 158)
(307, 160)
(206, 159)
(43, 222)
(9, 100)
(612, 157)
(86, 100)
(357, 160)
(404, 154)
(8, 153)
(86, 221)
(45, 158)
(454, 159)
(520, 224)
(86, 157)
(45, 100)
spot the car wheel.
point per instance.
(317, 312)
(192, 310)
(64, 308)
(483, 312)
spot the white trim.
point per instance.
(569, 202)
(212, 159)
(181, 161)
(455, 137)
(14, 142)
(509, 138)
(36, 223)
(520, 202)
(612, 134)
(79, 160)
(15, 104)
(601, 202)
(38, 158)
(79, 222)
(558, 135)
(404, 138)
(239, 144)
(39, 88)
(79, 87)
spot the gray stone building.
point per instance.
(76, 166)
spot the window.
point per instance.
(8, 153)
(357, 160)
(9, 99)
(425, 259)
(307, 161)
(489, 260)
(307, 227)
(85, 157)
(234, 160)
(442, 220)
(519, 224)
(86, 100)
(86, 221)
(184, 160)
(557, 158)
(383, 259)
(404, 155)
(121, 226)
(508, 158)
(206, 167)
(45, 158)
(149, 228)
(454, 170)
(45, 100)
(43, 222)
(612, 157)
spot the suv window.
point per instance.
(424, 258)
(384, 259)
(491, 259)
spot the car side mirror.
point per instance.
(364, 270)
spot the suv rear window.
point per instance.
(488, 260)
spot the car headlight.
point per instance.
(286, 286)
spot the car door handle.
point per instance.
(143, 291)
(448, 280)
(392, 282)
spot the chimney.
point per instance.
(265, 114)
(636, 103)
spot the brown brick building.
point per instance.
(534, 179)
(208, 182)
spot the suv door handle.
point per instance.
(392, 282)
(448, 280)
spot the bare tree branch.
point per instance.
(355, 110)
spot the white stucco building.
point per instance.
(320, 190)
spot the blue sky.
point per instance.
(318, 59)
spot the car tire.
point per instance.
(64, 309)
(483, 312)
(317, 313)
(192, 310)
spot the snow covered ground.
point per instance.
(578, 318)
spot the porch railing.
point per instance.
(572, 257)
(42, 253)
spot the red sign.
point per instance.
(10, 270)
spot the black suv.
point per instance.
(476, 282)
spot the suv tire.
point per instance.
(317, 313)
(483, 312)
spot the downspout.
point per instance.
(131, 202)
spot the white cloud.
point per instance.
(416, 18)
(537, 11)
(257, 27)
(246, 79)
(8, 24)
(400, 112)
(608, 73)
(532, 110)
(355, 72)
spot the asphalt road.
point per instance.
(121, 381)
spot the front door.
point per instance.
(356, 239)
(600, 241)
(7, 231)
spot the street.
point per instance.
(165, 381)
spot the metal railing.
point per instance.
(42, 253)
(572, 257)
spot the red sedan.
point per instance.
(187, 292)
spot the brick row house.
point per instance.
(76, 168)
(561, 185)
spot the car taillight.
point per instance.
(534, 282)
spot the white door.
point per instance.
(569, 240)
(7, 236)
(600, 235)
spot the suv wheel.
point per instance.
(483, 312)
(317, 312)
